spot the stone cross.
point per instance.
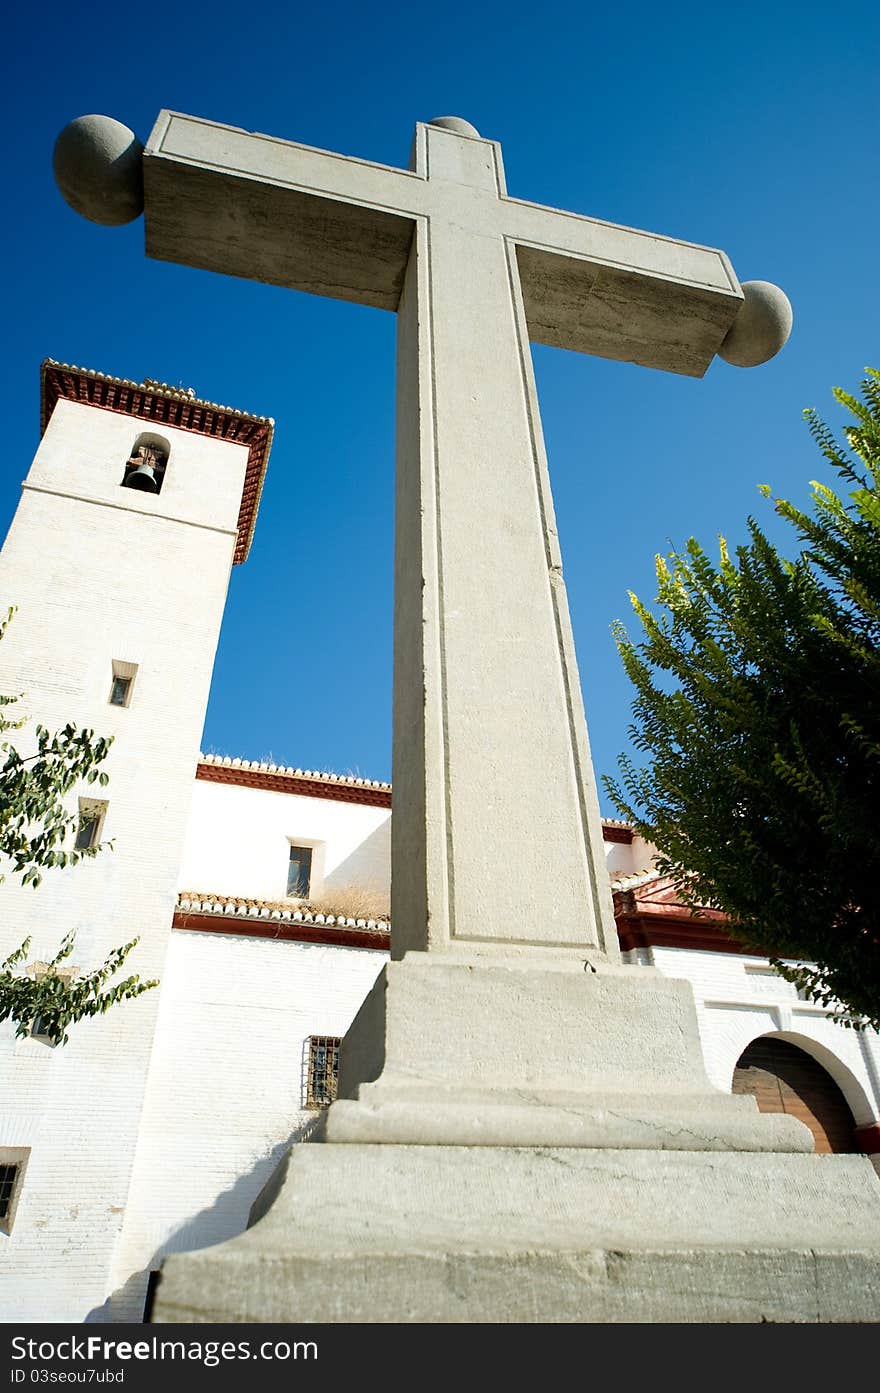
(497, 841)
(516, 1139)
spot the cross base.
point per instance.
(556, 1154)
(547, 1049)
(470, 1234)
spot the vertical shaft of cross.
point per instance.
(496, 836)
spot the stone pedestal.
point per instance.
(523, 1141)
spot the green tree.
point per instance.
(36, 829)
(758, 707)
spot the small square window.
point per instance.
(299, 872)
(91, 820)
(39, 1031)
(13, 1163)
(323, 1070)
(122, 682)
(87, 835)
(119, 691)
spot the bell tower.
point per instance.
(140, 499)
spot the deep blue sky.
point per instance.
(752, 127)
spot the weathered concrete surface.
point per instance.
(434, 1234)
(248, 204)
(761, 328)
(537, 1055)
(524, 1140)
(98, 168)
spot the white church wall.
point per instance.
(227, 1082)
(629, 858)
(239, 838)
(101, 573)
(739, 998)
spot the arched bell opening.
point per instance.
(782, 1077)
(145, 467)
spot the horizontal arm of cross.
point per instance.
(272, 210)
(616, 292)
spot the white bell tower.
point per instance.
(139, 501)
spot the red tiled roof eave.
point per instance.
(288, 931)
(680, 930)
(277, 782)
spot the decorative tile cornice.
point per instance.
(279, 778)
(278, 911)
(613, 830)
(649, 913)
(161, 404)
(634, 880)
(277, 919)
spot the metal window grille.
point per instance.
(323, 1070)
(8, 1176)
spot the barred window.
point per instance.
(323, 1070)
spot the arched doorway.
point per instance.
(783, 1078)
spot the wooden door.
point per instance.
(786, 1079)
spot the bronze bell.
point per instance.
(143, 478)
(142, 471)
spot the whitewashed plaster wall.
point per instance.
(227, 1081)
(99, 573)
(238, 842)
(629, 858)
(739, 998)
(239, 838)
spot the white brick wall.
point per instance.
(99, 572)
(227, 1082)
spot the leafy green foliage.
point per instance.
(47, 994)
(758, 706)
(36, 829)
(34, 822)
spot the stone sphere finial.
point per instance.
(761, 328)
(456, 124)
(97, 163)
